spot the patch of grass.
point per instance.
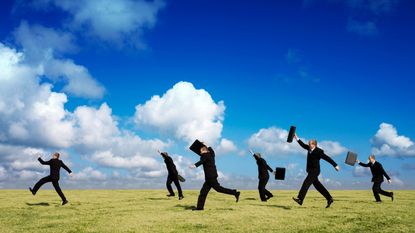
(152, 211)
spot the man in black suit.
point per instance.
(313, 170)
(263, 177)
(207, 159)
(55, 166)
(377, 177)
(173, 176)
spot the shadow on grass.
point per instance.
(38, 204)
(276, 206)
(250, 199)
(157, 198)
(185, 207)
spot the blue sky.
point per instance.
(341, 71)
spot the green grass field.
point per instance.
(152, 211)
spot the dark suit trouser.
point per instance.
(212, 183)
(378, 190)
(174, 179)
(263, 192)
(55, 183)
(312, 179)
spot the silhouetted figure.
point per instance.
(314, 154)
(377, 177)
(207, 159)
(263, 177)
(173, 176)
(55, 166)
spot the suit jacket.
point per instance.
(377, 171)
(171, 168)
(208, 162)
(55, 166)
(263, 168)
(313, 158)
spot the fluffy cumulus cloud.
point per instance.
(226, 146)
(388, 142)
(116, 22)
(101, 140)
(184, 111)
(32, 116)
(30, 112)
(88, 174)
(43, 48)
(273, 141)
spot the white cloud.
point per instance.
(332, 148)
(360, 171)
(367, 28)
(96, 127)
(273, 141)
(226, 146)
(107, 158)
(184, 111)
(30, 112)
(42, 46)
(3, 173)
(88, 174)
(103, 142)
(117, 22)
(387, 142)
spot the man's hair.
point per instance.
(372, 157)
(56, 154)
(314, 141)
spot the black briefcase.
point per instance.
(291, 134)
(351, 158)
(279, 173)
(181, 178)
(196, 146)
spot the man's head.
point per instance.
(372, 158)
(164, 154)
(204, 150)
(56, 155)
(312, 144)
(258, 155)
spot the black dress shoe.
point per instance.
(170, 195)
(269, 197)
(31, 190)
(237, 196)
(64, 202)
(298, 200)
(392, 196)
(196, 209)
(181, 197)
(329, 202)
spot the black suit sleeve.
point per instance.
(384, 173)
(303, 145)
(269, 168)
(211, 151)
(44, 162)
(328, 159)
(65, 167)
(364, 164)
(201, 161)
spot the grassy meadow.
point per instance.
(152, 211)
